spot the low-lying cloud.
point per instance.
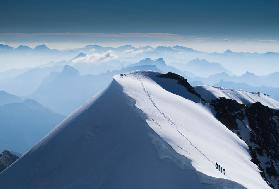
(95, 57)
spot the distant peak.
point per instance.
(247, 73)
(41, 47)
(228, 51)
(92, 46)
(126, 47)
(160, 60)
(179, 47)
(23, 47)
(80, 55)
(3, 46)
(149, 61)
(69, 70)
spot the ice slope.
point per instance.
(137, 135)
(243, 97)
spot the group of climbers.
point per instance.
(221, 169)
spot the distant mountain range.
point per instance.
(26, 82)
(60, 91)
(67, 90)
(166, 49)
(23, 122)
(25, 49)
(117, 57)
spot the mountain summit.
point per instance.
(139, 133)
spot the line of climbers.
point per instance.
(221, 169)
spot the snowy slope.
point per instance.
(136, 134)
(193, 132)
(243, 97)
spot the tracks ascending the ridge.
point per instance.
(171, 123)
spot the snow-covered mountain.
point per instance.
(243, 97)
(146, 130)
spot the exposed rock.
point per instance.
(6, 159)
(258, 126)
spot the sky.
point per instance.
(215, 20)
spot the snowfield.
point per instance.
(242, 97)
(193, 132)
(137, 135)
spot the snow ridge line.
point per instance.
(171, 122)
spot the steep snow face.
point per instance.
(243, 97)
(137, 135)
(193, 132)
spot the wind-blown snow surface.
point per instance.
(242, 97)
(137, 135)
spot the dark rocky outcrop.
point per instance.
(182, 81)
(258, 126)
(6, 159)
